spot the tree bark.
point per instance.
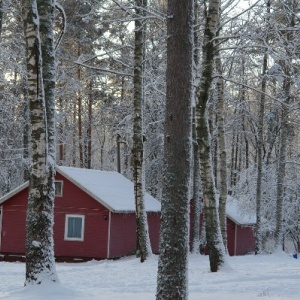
(281, 162)
(173, 245)
(89, 126)
(143, 240)
(196, 192)
(287, 67)
(258, 229)
(79, 115)
(1, 19)
(40, 265)
(222, 162)
(211, 217)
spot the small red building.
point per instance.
(240, 235)
(94, 216)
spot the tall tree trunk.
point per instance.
(74, 146)
(26, 132)
(173, 244)
(143, 240)
(61, 153)
(195, 244)
(281, 163)
(1, 19)
(40, 265)
(79, 115)
(211, 217)
(46, 10)
(258, 229)
(258, 233)
(89, 127)
(287, 67)
(222, 162)
(196, 192)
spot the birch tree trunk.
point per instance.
(173, 245)
(222, 161)
(46, 9)
(211, 217)
(143, 240)
(40, 265)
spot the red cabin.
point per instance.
(240, 234)
(94, 216)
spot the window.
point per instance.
(74, 228)
(58, 188)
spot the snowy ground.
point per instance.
(249, 277)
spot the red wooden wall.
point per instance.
(230, 236)
(245, 241)
(76, 201)
(13, 224)
(123, 233)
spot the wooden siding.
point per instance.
(230, 237)
(240, 240)
(122, 231)
(95, 243)
(245, 240)
(74, 201)
(14, 223)
(154, 221)
(123, 234)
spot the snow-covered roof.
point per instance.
(116, 193)
(235, 213)
(14, 192)
(111, 189)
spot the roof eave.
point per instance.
(238, 223)
(14, 192)
(85, 190)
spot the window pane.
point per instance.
(58, 188)
(74, 227)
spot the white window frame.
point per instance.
(66, 228)
(62, 188)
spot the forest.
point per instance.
(191, 100)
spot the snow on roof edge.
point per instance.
(71, 173)
(58, 169)
(14, 192)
